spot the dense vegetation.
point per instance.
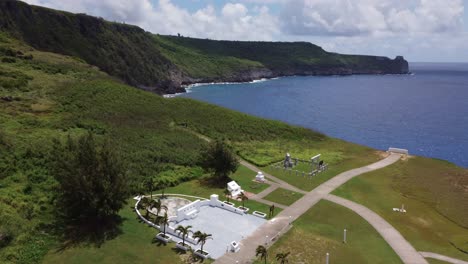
(45, 96)
(92, 186)
(124, 51)
(163, 63)
(282, 58)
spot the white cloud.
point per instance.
(369, 17)
(414, 28)
(233, 22)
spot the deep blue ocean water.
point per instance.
(426, 112)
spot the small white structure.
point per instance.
(316, 158)
(401, 210)
(260, 177)
(235, 246)
(234, 188)
(398, 150)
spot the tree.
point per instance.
(92, 182)
(184, 230)
(227, 193)
(161, 184)
(202, 238)
(243, 198)
(165, 222)
(158, 206)
(145, 204)
(149, 184)
(272, 210)
(283, 257)
(262, 252)
(220, 160)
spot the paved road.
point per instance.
(270, 231)
(403, 248)
(442, 257)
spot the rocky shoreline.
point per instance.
(180, 81)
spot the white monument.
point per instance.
(260, 177)
(234, 188)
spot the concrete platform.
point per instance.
(224, 226)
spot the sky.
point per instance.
(420, 30)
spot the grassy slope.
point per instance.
(434, 194)
(53, 96)
(49, 96)
(199, 64)
(124, 51)
(280, 57)
(133, 246)
(320, 230)
(283, 196)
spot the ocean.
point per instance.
(425, 112)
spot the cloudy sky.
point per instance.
(421, 30)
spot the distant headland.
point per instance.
(163, 64)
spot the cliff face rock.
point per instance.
(163, 64)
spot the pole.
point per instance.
(328, 258)
(344, 236)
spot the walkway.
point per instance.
(279, 182)
(442, 257)
(403, 248)
(270, 231)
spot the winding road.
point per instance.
(270, 231)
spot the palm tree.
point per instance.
(227, 193)
(144, 204)
(201, 238)
(164, 222)
(149, 184)
(157, 204)
(184, 230)
(243, 198)
(262, 251)
(283, 257)
(162, 184)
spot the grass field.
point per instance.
(435, 197)
(339, 155)
(134, 245)
(245, 178)
(283, 196)
(320, 230)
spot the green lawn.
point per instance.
(435, 197)
(134, 245)
(341, 156)
(245, 178)
(320, 230)
(283, 196)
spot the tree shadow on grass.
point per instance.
(88, 233)
(214, 182)
(191, 257)
(158, 243)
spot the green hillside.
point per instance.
(163, 63)
(45, 96)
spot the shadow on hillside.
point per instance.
(88, 233)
